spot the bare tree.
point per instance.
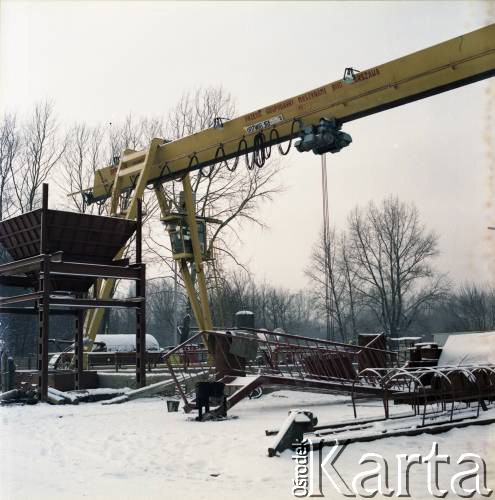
(9, 149)
(231, 197)
(42, 150)
(273, 307)
(392, 252)
(17, 334)
(470, 308)
(196, 111)
(162, 308)
(83, 155)
(133, 133)
(350, 275)
(341, 284)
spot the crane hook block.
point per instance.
(326, 137)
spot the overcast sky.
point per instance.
(99, 61)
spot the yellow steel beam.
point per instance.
(93, 321)
(163, 203)
(200, 308)
(196, 306)
(116, 189)
(207, 323)
(450, 64)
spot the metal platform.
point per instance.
(81, 238)
(58, 256)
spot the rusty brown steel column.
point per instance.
(141, 309)
(44, 302)
(79, 348)
(139, 232)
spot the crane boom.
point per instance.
(315, 116)
(450, 64)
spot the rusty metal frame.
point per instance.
(293, 361)
(50, 266)
(282, 361)
(435, 387)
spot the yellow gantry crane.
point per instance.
(314, 118)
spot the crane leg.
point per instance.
(207, 323)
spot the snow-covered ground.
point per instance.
(140, 451)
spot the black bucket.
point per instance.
(172, 405)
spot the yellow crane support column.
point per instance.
(92, 323)
(206, 322)
(196, 306)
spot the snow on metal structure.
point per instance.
(245, 360)
(439, 398)
(57, 257)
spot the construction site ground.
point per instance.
(138, 450)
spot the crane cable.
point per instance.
(261, 151)
(326, 246)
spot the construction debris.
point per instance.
(366, 430)
(440, 399)
(57, 397)
(9, 395)
(164, 387)
(292, 431)
(26, 394)
(250, 359)
(96, 395)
